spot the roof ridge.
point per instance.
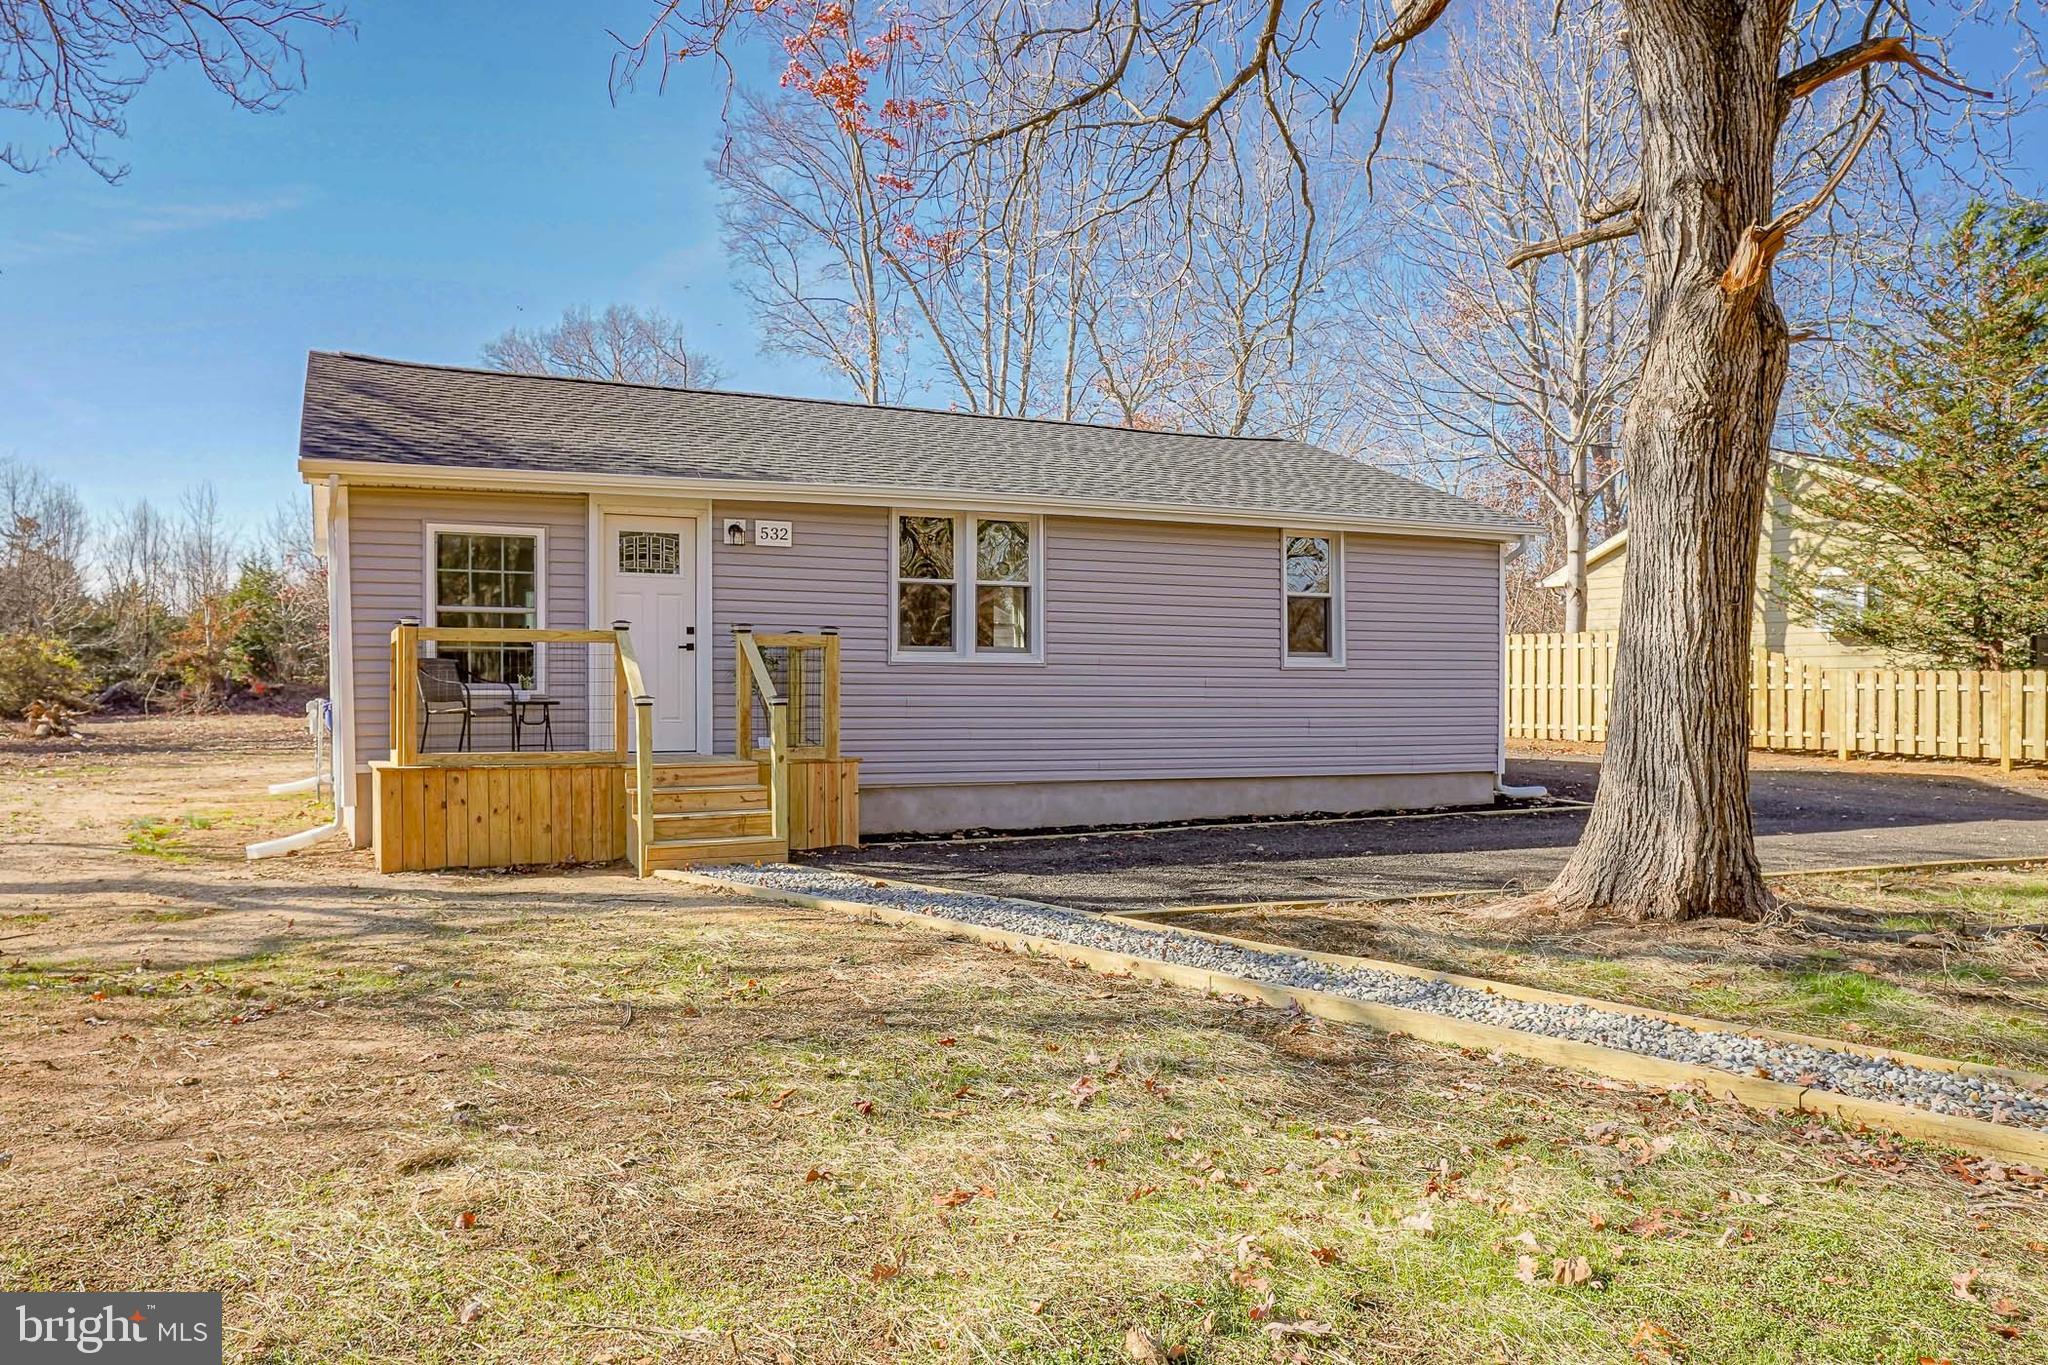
(486, 372)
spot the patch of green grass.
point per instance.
(1834, 995)
(26, 917)
(152, 836)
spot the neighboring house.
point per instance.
(1039, 623)
(1793, 617)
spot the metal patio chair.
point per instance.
(443, 692)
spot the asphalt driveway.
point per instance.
(1809, 813)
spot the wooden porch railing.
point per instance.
(633, 685)
(804, 671)
(600, 698)
(754, 679)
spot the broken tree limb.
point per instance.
(1628, 201)
(1760, 244)
(1411, 21)
(1803, 81)
(1612, 230)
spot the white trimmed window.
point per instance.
(964, 586)
(1311, 580)
(488, 578)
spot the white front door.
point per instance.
(650, 566)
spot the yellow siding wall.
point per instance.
(1782, 625)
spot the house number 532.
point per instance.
(773, 533)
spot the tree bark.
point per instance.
(1670, 836)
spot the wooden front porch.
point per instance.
(466, 786)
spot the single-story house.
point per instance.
(1800, 599)
(1031, 623)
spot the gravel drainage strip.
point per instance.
(1984, 1107)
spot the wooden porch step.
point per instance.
(673, 800)
(706, 772)
(714, 824)
(711, 852)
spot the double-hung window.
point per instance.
(1311, 579)
(965, 586)
(488, 579)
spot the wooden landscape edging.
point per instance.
(1995, 1139)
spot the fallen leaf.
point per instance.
(1422, 1221)
(464, 1221)
(947, 1041)
(1510, 1140)
(864, 1107)
(1036, 1307)
(1525, 1269)
(1574, 1271)
(953, 1199)
(815, 1174)
(1960, 1283)
(471, 1310)
(1139, 1192)
(1282, 1329)
(2007, 1308)
(1595, 1220)
(881, 1272)
(1324, 1255)
(782, 1099)
(1082, 1091)
(2005, 1330)
(1139, 1346)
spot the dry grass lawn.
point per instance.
(1952, 963)
(573, 1117)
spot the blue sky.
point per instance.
(453, 169)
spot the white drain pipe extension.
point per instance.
(292, 843)
(319, 721)
(1501, 788)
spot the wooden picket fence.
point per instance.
(1557, 688)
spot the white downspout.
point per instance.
(341, 659)
(1509, 552)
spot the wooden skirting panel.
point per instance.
(487, 816)
(824, 803)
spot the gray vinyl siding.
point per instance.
(387, 531)
(1161, 656)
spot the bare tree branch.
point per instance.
(1804, 80)
(1611, 231)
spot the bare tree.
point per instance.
(77, 63)
(43, 530)
(203, 549)
(1520, 133)
(888, 240)
(137, 572)
(621, 343)
(1723, 91)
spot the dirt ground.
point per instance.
(1810, 813)
(573, 1117)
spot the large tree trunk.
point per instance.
(1669, 836)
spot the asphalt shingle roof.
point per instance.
(363, 408)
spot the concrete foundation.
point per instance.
(1049, 805)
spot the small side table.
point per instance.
(523, 705)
